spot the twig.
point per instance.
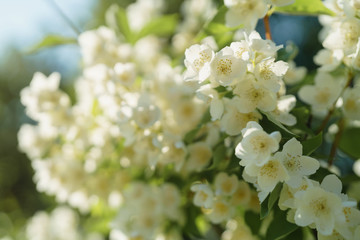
(267, 27)
(336, 142)
(53, 4)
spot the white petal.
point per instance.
(332, 184)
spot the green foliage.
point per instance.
(310, 145)
(191, 135)
(305, 7)
(218, 156)
(302, 115)
(269, 202)
(192, 227)
(253, 221)
(162, 26)
(349, 142)
(278, 124)
(216, 27)
(51, 41)
(279, 226)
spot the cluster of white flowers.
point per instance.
(265, 167)
(128, 132)
(340, 37)
(221, 199)
(146, 211)
(248, 12)
(322, 206)
(240, 80)
(61, 224)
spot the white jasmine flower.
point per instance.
(233, 120)
(320, 206)
(225, 184)
(284, 105)
(246, 12)
(241, 50)
(146, 116)
(171, 200)
(44, 100)
(208, 93)
(256, 146)
(344, 35)
(287, 194)
(143, 11)
(62, 223)
(125, 73)
(252, 95)
(174, 153)
(102, 46)
(269, 73)
(261, 48)
(351, 103)
(323, 94)
(197, 62)
(294, 74)
(221, 211)
(268, 175)
(199, 156)
(237, 229)
(35, 141)
(296, 165)
(329, 60)
(226, 68)
(242, 194)
(204, 195)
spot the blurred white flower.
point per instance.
(256, 146)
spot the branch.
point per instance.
(53, 4)
(336, 142)
(267, 27)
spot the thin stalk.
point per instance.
(54, 5)
(267, 27)
(336, 142)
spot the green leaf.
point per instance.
(116, 18)
(253, 221)
(191, 135)
(52, 41)
(161, 26)
(305, 7)
(310, 145)
(349, 142)
(191, 227)
(216, 27)
(302, 115)
(277, 123)
(270, 201)
(279, 226)
(218, 156)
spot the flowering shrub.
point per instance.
(184, 127)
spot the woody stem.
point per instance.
(267, 27)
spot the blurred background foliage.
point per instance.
(23, 24)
